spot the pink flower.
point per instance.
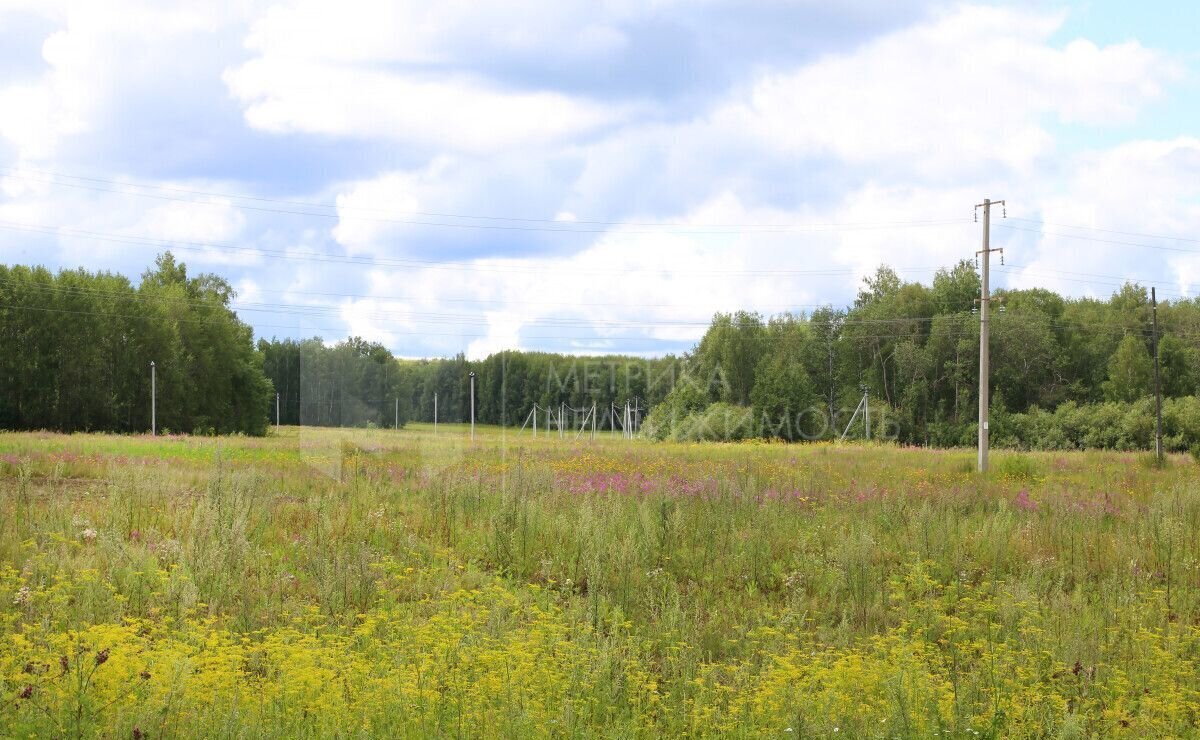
(1024, 503)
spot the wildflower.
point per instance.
(22, 596)
(102, 657)
(64, 663)
(1023, 502)
(88, 535)
(137, 733)
(26, 692)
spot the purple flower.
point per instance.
(1023, 502)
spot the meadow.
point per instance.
(351, 583)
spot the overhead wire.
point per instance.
(460, 265)
(1098, 240)
(1094, 327)
(1106, 231)
(512, 223)
(451, 265)
(421, 317)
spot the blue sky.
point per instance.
(594, 177)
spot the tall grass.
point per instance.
(325, 583)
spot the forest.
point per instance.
(1065, 372)
(357, 383)
(75, 349)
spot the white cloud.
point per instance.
(1114, 200)
(363, 208)
(356, 31)
(955, 95)
(362, 320)
(631, 282)
(248, 291)
(35, 115)
(449, 112)
(919, 123)
(83, 61)
(503, 332)
(216, 220)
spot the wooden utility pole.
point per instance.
(1158, 449)
(985, 300)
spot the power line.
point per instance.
(512, 223)
(1121, 279)
(437, 334)
(1107, 231)
(1059, 275)
(328, 328)
(243, 305)
(1099, 327)
(1097, 240)
(134, 294)
(425, 317)
(454, 266)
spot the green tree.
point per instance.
(1130, 371)
(728, 355)
(1178, 367)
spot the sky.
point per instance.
(595, 177)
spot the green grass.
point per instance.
(357, 583)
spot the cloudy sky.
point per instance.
(595, 176)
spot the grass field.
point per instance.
(377, 583)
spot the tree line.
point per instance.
(76, 348)
(360, 383)
(913, 349)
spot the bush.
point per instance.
(1109, 425)
(718, 422)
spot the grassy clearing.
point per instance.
(348, 583)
